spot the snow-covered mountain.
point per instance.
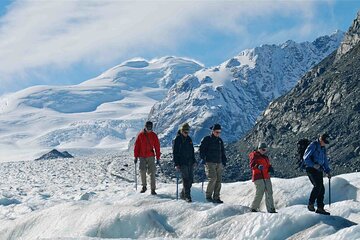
(326, 99)
(102, 112)
(94, 198)
(238, 90)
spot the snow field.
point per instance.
(94, 198)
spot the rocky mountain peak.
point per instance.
(352, 37)
(235, 92)
(326, 99)
(55, 154)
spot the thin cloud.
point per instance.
(38, 34)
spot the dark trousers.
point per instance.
(187, 176)
(318, 191)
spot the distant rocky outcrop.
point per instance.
(54, 154)
(352, 37)
(327, 99)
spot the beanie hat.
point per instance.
(216, 126)
(149, 125)
(325, 137)
(262, 145)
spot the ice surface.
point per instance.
(94, 198)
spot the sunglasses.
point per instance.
(185, 132)
(217, 132)
(263, 149)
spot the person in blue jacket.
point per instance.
(316, 163)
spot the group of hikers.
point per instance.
(213, 157)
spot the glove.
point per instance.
(158, 161)
(317, 166)
(224, 164)
(260, 167)
(202, 162)
(328, 175)
(271, 170)
(135, 160)
(177, 168)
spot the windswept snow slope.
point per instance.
(94, 198)
(104, 112)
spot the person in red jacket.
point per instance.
(147, 147)
(261, 167)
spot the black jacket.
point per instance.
(212, 149)
(183, 150)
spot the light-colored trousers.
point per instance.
(148, 165)
(263, 186)
(214, 174)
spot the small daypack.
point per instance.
(301, 148)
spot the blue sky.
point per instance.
(67, 42)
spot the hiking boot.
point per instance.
(153, 192)
(209, 199)
(311, 207)
(322, 211)
(143, 190)
(273, 211)
(218, 201)
(253, 210)
(188, 199)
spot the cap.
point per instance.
(185, 127)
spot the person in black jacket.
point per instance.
(184, 158)
(213, 153)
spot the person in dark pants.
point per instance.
(213, 153)
(184, 158)
(316, 163)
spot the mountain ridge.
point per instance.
(238, 90)
(326, 99)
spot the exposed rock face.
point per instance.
(54, 154)
(352, 37)
(327, 99)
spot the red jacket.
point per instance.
(257, 159)
(147, 146)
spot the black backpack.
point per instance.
(301, 147)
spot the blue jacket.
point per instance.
(315, 154)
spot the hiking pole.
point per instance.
(177, 184)
(202, 185)
(329, 192)
(202, 176)
(202, 180)
(135, 176)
